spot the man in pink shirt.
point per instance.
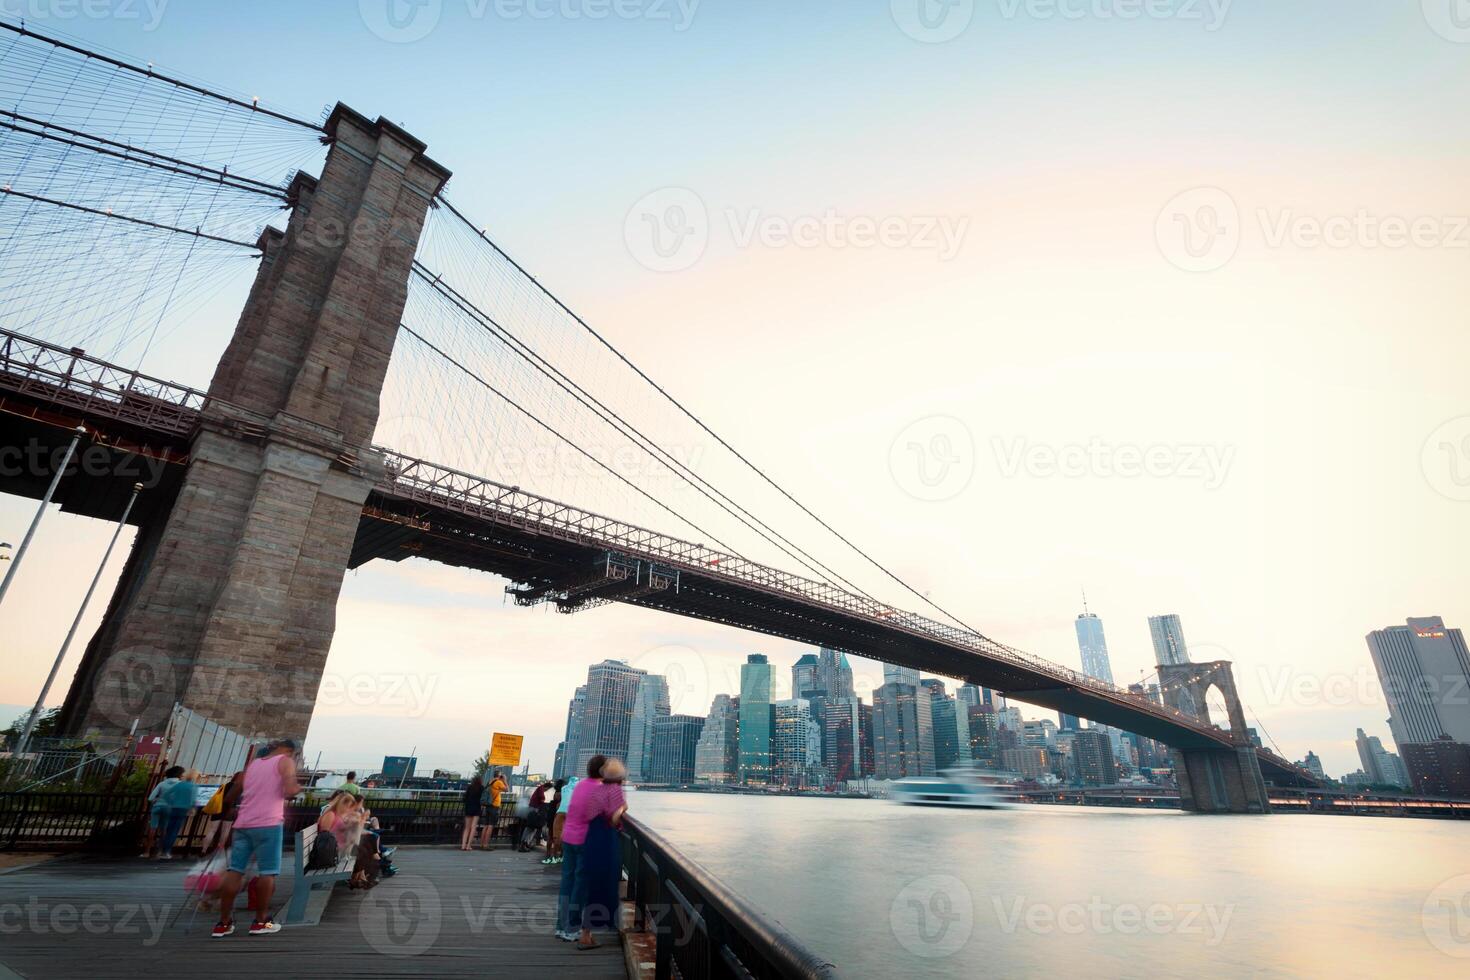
(599, 795)
(269, 782)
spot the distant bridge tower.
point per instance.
(1213, 780)
(229, 604)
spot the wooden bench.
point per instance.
(311, 890)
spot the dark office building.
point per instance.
(675, 738)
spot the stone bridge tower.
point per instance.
(1213, 780)
(229, 604)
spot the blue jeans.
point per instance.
(176, 817)
(571, 901)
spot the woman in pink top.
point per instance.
(599, 796)
(269, 782)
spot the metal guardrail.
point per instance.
(703, 929)
(71, 821)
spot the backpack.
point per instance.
(323, 852)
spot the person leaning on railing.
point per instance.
(599, 796)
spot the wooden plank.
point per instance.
(447, 914)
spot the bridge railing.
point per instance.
(90, 385)
(702, 928)
(476, 496)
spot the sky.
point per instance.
(1160, 300)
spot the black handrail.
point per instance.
(703, 926)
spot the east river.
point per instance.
(885, 890)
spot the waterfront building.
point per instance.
(1042, 733)
(982, 733)
(834, 674)
(1313, 765)
(1093, 751)
(607, 717)
(1439, 768)
(1093, 645)
(1425, 672)
(717, 756)
(842, 746)
(866, 740)
(573, 731)
(1029, 762)
(796, 744)
(903, 731)
(1380, 766)
(674, 745)
(755, 720)
(1168, 637)
(946, 729)
(651, 703)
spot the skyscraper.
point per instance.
(1169, 639)
(946, 733)
(804, 677)
(894, 674)
(1380, 766)
(903, 731)
(755, 720)
(968, 694)
(607, 717)
(1425, 672)
(1094, 754)
(568, 764)
(717, 756)
(1094, 645)
(796, 743)
(842, 747)
(982, 733)
(675, 742)
(834, 674)
(651, 704)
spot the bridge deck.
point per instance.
(447, 914)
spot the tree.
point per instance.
(480, 766)
(45, 725)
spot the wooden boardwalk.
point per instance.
(446, 914)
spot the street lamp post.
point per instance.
(40, 512)
(25, 736)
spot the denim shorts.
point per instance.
(261, 843)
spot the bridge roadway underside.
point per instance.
(395, 530)
(116, 456)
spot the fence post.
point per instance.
(663, 942)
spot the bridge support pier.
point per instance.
(232, 608)
(1220, 781)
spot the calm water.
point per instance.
(890, 891)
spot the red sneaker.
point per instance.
(221, 930)
(263, 928)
